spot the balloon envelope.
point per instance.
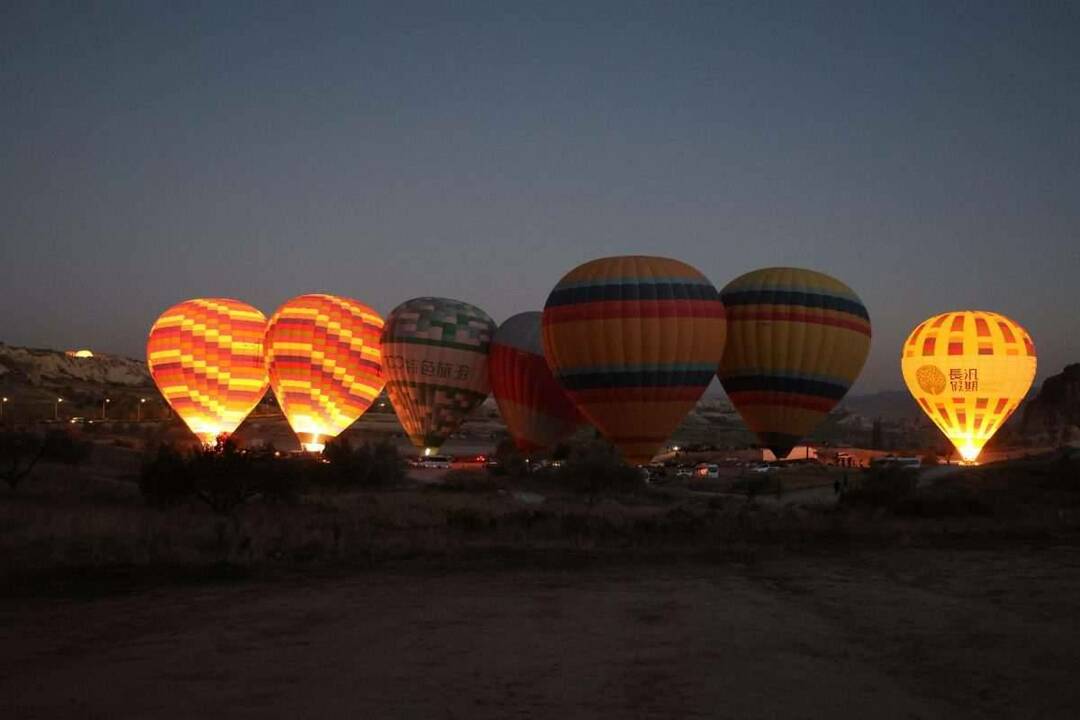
(968, 370)
(324, 358)
(436, 358)
(797, 340)
(206, 357)
(635, 341)
(537, 411)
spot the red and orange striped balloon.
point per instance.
(537, 411)
(324, 358)
(206, 357)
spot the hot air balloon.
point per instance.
(635, 341)
(797, 340)
(436, 354)
(324, 358)
(537, 411)
(206, 357)
(968, 370)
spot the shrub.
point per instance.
(468, 481)
(19, 452)
(883, 487)
(166, 479)
(223, 477)
(369, 465)
(511, 461)
(947, 500)
(61, 446)
(227, 476)
(596, 468)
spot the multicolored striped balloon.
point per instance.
(969, 370)
(324, 357)
(635, 341)
(537, 411)
(436, 356)
(797, 340)
(206, 357)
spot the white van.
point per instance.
(441, 462)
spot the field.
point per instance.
(472, 596)
(890, 634)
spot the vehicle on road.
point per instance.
(892, 461)
(467, 462)
(706, 471)
(439, 462)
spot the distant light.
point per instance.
(142, 400)
(79, 353)
(59, 400)
(675, 448)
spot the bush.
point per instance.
(226, 476)
(596, 468)
(19, 452)
(511, 461)
(369, 465)
(468, 481)
(949, 500)
(883, 487)
(166, 479)
(223, 477)
(61, 446)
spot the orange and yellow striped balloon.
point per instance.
(324, 357)
(797, 340)
(634, 341)
(206, 357)
(969, 370)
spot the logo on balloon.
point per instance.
(931, 379)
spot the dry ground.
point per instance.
(896, 634)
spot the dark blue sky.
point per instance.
(926, 154)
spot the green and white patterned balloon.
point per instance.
(435, 354)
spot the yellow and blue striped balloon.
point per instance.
(635, 341)
(797, 340)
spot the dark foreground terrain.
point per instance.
(915, 633)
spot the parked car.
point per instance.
(440, 462)
(465, 462)
(706, 471)
(684, 471)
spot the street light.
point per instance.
(2, 404)
(141, 401)
(104, 403)
(56, 408)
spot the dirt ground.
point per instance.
(902, 634)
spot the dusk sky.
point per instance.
(926, 154)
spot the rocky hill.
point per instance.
(1054, 413)
(32, 379)
(49, 368)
